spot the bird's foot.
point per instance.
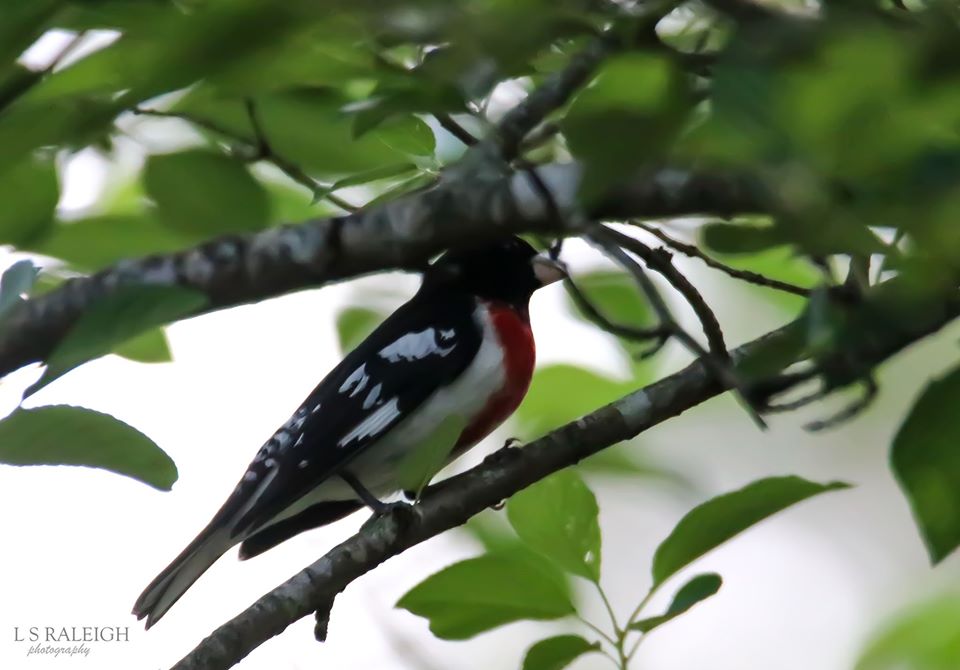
(404, 514)
(509, 449)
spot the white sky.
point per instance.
(801, 591)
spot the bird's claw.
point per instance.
(509, 448)
(404, 514)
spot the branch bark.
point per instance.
(476, 201)
(509, 470)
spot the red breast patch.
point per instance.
(512, 329)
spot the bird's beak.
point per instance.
(547, 270)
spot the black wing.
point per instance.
(422, 347)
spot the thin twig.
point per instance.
(258, 148)
(292, 170)
(717, 360)
(553, 93)
(596, 629)
(744, 275)
(448, 123)
(601, 320)
(800, 402)
(659, 260)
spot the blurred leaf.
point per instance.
(774, 354)
(289, 204)
(925, 638)
(204, 193)
(550, 404)
(626, 460)
(23, 22)
(354, 324)
(493, 532)
(367, 176)
(65, 435)
(699, 588)
(96, 242)
(558, 517)
(17, 280)
(147, 347)
(926, 462)
(29, 192)
(403, 188)
(113, 321)
(712, 523)
(637, 99)
(615, 293)
(175, 48)
(482, 593)
(307, 127)
(410, 136)
(556, 653)
(782, 263)
(734, 238)
(325, 53)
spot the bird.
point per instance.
(436, 377)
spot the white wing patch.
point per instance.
(372, 397)
(374, 424)
(414, 346)
(357, 381)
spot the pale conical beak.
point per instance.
(547, 270)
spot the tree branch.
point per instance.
(509, 470)
(476, 201)
(693, 251)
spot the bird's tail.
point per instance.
(185, 569)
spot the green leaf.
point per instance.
(558, 517)
(773, 354)
(204, 193)
(699, 588)
(354, 324)
(16, 280)
(926, 461)
(615, 295)
(65, 435)
(735, 238)
(478, 594)
(95, 242)
(549, 403)
(405, 187)
(148, 347)
(625, 460)
(367, 176)
(925, 638)
(307, 127)
(29, 191)
(781, 263)
(638, 101)
(113, 321)
(556, 653)
(709, 525)
(411, 138)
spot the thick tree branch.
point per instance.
(509, 470)
(476, 201)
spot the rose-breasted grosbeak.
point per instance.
(434, 379)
